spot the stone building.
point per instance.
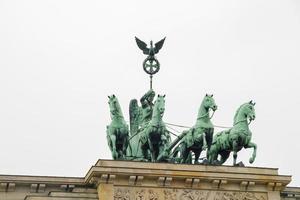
(126, 180)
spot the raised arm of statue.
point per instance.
(147, 103)
(148, 97)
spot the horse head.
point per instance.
(159, 105)
(114, 106)
(209, 102)
(245, 112)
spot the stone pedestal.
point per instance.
(125, 180)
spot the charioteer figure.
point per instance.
(147, 107)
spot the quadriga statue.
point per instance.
(236, 138)
(200, 136)
(117, 131)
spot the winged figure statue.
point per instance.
(135, 116)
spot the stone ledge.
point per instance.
(41, 179)
(190, 176)
(186, 167)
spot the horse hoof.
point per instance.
(205, 162)
(251, 160)
(215, 162)
(240, 164)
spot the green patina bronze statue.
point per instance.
(147, 107)
(154, 137)
(236, 138)
(153, 142)
(200, 136)
(149, 139)
(150, 65)
(139, 118)
(117, 131)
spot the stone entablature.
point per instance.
(212, 182)
(44, 188)
(126, 180)
(291, 193)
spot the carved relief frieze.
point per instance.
(122, 194)
(170, 194)
(139, 193)
(194, 195)
(153, 195)
(239, 196)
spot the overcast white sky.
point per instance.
(60, 59)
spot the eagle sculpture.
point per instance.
(152, 50)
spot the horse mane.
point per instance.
(119, 107)
(202, 102)
(154, 108)
(201, 106)
(237, 112)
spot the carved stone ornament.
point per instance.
(238, 196)
(122, 194)
(140, 194)
(152, 195)
(170, 194)
(194, 195)
(136, 193)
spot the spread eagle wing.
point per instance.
(134, 116)
(142, 45)
(159, 45)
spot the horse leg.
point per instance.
(212, 154)
(209, 138)
(120, 154)
(197, 155)
(144, 151)
(156, 152)
(184, 152)
(235, 149)
(254, 146)
(151, 150)
(126, 147)
(204, 144)
(113, 144)
(224, 156)
(189, 159)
